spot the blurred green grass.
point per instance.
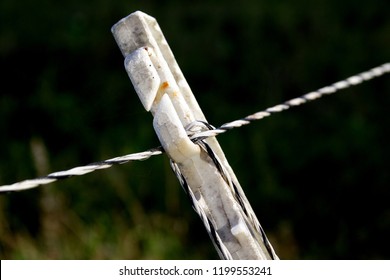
(317, 176)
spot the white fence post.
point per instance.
(200, 164)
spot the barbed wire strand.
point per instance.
(81, 170)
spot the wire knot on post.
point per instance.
(195, 130)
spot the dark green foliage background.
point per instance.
(317, 176)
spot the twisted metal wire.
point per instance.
(80, 170)
(335, 87)
(197, 135)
